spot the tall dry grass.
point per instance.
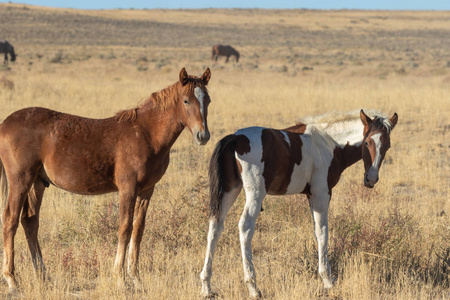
(389, 242)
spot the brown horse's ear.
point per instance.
(206, 76)
(183, 76)
(393, 120)
(365, 118)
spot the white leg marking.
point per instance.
(319, 211)
(254, 198)
(215, 230)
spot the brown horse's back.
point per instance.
(62, 147)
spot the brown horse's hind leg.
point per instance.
(140, 212)
(126, 210)
(18, 191)
(30, 223)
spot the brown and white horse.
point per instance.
(221, 50)
(307, 158)
(128, 153)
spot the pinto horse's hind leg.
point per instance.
(254, 198)
(140, 212)
(30, 223)
(18, 190)
(216, 226)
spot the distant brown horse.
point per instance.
(128, 153)
(7, 48)
(221, 50)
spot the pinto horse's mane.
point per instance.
(342, 127)
(327, 120)
(162, 99)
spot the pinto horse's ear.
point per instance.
(183, 76)
(393, 120)
(365, 118)
(206, 76)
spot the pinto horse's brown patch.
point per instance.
(279, 158)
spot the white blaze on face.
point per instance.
(200, 95)
(372, 174)
(376, 139)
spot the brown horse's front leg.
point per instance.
(140, 212)
(127, 201)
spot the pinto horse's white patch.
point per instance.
(200, 95)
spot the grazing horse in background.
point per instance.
(221, 50)
(128, 153)
(7, 48)
(307, 158)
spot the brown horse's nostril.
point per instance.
(203, 136)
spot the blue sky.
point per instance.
(311, 4)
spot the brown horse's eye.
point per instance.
(366, 144)
(186, 102)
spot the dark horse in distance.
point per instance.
(221, 50)
(126, 153)
(7, 48)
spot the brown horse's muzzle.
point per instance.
(201, 137)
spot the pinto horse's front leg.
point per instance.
(319, 210)
(127, 200)
(140, 212)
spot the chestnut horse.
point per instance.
(128, 153)
(302, 159)
(7, 48)
(221, 50)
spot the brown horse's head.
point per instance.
(375, 144)
(193, 105)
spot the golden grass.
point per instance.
(389, 242)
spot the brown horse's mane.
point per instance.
(163, 99)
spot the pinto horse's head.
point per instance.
(193, 105)
(375, 144)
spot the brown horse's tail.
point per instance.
(3, 190)
(223, 172)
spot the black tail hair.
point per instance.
(223, 155)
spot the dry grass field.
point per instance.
(391, 242)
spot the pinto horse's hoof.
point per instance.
(210, 295)
(257, 295)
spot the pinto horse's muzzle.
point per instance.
(371, 177)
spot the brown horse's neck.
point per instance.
(160, 118)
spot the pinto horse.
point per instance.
(128, 153)
(221, 50)
(7, 48)
(302, 159)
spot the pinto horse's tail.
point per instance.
(223, 172)
(3, 190)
